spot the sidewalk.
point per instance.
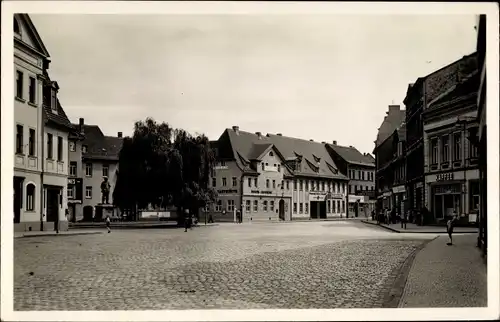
(447, 276)
(22, 234)
(412, 228)
(130, 225)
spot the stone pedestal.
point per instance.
(104, 210)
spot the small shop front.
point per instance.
(398, 199)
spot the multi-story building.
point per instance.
(451, 158)
(93, 156)
(42, 130)
(481, 115)
(389, 159)
(417, 99)
(360, 169)
(273, 177)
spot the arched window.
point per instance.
(30, 197)
(17, 30)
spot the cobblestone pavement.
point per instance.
(296, 265)
(449, 276)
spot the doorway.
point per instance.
(53, 206)
(445, 205)
(318, 209)
(281, 209)
(18, 198)
(88, 213)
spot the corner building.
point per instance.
(272, 178)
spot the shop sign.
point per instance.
(444, 176)
(225, 192)
(356, 199)
(262, 192)
(337, 196)
(387, 194)
(399, 189)
(317, 197)
(312, 193)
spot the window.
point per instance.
(362, 175)
(282, 184)
(457, 146)
(88, 169)
(30, 197)
(287, 185)
(323, 186)
(434, 151)
(279, 168)
(294, 207)
(264, 205)
(72, 168)
(300, 185)
(445, 148)
(105, 170)
(271, 205)
(53, 101)
(224, 182)
(256, 182)
(267, 183)
(72, 146)
(214, 182)
(19, 139)
(59, 148)
(294, 184)
(312, 185)
(262, 166)
(218, 206)
(271, 153)
(255, 205)
(50, 146)
(334, 210)
(307, 207)
(32, 90)
(274, 184)
(247, 206)
(329, 204)
(84, 149)
(301, 208)
(343, 206)
(19, 84)
(235, 182)
(222, 163)
(230, 205)
(249, 182)
(71, 192)
(88, 192)
(306, 184)
(32, 143)
(473, 151)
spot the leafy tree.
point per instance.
(160, 166)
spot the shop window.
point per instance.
(307, 208)
(334, 210)
(294, 207)
(247, 206)
(301, 208)
(255, 205)
(264, 205)
(329, 204)
(271, 205)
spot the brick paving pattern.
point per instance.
(302, 265)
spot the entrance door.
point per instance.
(314, 209)
(53, 206)
(322, 209)
(281, 209)
(88, 213)
(18, 200)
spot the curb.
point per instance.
(59, 235)
(417, 232)
(396, 293)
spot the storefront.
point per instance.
(398, 198)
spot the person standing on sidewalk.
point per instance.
(404, 220)
(108, 223)
(187, 220)
(449, 227)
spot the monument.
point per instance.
(104, 209)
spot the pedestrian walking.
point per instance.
(449, 227)
(404, 220)
(187, 219)
(108, 223)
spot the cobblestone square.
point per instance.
(251, 266)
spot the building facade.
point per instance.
(360, 169)
(418, 97)
(93, 156)
(272, 178)
(451, 158)
(42, 130)
(482, 240)
(390, 159)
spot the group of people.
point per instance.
(390, 216)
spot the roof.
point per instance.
(35, 36)
(352, 155)
(250, 146)
(391, 122)
(468, 85)
(58, 116)
(100, 146)
(402, 132)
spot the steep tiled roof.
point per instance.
(258, 150)
(468, 85)
(248, 145)
(100, 146)
(58, 116)
(391, 122)
(352, 155)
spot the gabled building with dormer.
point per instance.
(272, 177)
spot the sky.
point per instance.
(322, 77)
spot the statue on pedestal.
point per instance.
(105, 187)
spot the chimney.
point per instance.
(120, 134)
(334, 142)
(279, 134)
(80, 124)
(323, 142)
(236, 128)
(259, 134)
(393, 108)
(311, 140)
